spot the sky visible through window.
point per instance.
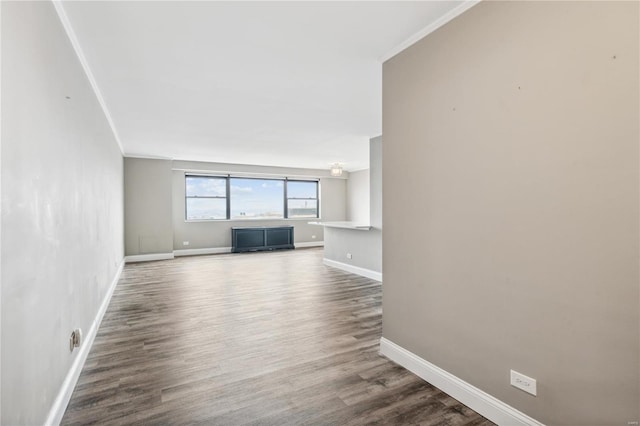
(297, 189)
(202, 186)
(302, 199)
(206, 208)
(256, 198)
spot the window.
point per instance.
(302, 199)
(206, 197)
(257, 198)
(235, 198)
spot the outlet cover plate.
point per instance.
(524, 383)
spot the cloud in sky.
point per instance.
(203, 186)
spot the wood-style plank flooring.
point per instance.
(273, 338)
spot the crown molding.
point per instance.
(453, 13)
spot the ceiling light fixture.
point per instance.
(336, 170)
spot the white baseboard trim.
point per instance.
(310, 244)
(193, 252)
(476, 399)
(64, 395)
(148, 257)
(354, 269)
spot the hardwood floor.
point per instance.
(273, 338)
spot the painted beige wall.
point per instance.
(511, 145)
(147, 206)
(62, 204)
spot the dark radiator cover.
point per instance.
(261, 238)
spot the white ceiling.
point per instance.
(296, 84)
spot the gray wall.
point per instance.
(147, 204)
(375, 183)
(511, 146)
(358, 196)
(62, 203)
(155, 205)
(365, 247)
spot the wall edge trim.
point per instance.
(478, 400)
(148, 257)
(368, 273)
(68, 385)
(68, 28)
(444, 19)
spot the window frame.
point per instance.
(227, 178)
(226, 197)
(287, 198)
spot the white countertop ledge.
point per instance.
(344, 224)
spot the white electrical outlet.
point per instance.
(76, 339)
(349, 256)
(523, 382)
(185, 243)
(313, 237)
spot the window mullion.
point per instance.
(286, 200)
(228, 179)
